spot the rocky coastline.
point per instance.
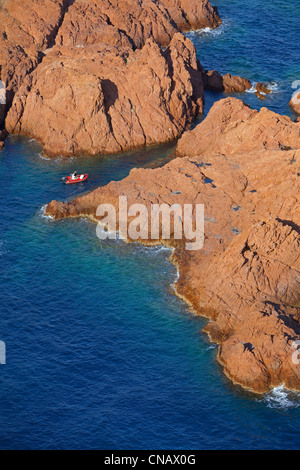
(108, 77)
(244, 166)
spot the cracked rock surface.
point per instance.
(91, 77)
(109, 100)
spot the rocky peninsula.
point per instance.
(244, 166)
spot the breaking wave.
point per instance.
(281, 399)
(207, 31)
(273, 87)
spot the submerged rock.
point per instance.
(262, 88)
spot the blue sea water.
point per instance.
(257, 40)
(100, 353)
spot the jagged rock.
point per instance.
(262, 88)
(120, 22)
(91, 101)
(193, 14)
(231, 127)
(39, 36)
(26, 29)
(214, 81)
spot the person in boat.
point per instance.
(74, 175)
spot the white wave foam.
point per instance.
(159, 249)
(281, 399)
(273, 87)
(212, 346)
(177, 276)
(42, 213)
(206, 31)
(55, 159)
(43, 157)
(252, 89)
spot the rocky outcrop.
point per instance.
(262, 90)
(232, 127)
(102, 111)
(246, 279)
(120, 22)
(214, 81)
(28, 28)
(260, 276)
(109, 100)
(192, 14)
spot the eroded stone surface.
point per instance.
(80, 44)
(109, 100)
(231, 127)
(214, 81)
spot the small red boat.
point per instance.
(75, 179)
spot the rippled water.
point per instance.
(257, 40)
(100, 354)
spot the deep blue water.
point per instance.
(258, 40)
(100, 354)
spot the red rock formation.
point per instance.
(101, 35)
(231, 127)
(116, 22)
(29, 27)
(26, 28)
(246, 279)
(214, 81)
(259, 276)
(262, 88)
(192, 14)
(120, 22)
(75, 102)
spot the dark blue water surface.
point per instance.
(257, 40)
(100, 354)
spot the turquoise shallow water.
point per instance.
(100, 354)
